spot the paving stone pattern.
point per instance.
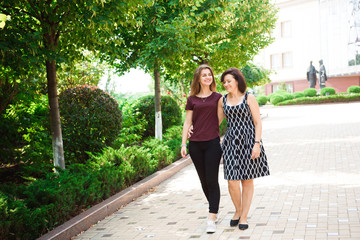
(313, 191)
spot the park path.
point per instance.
(313, 191)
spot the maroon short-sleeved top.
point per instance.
(204, 119)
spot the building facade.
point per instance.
(310, 31)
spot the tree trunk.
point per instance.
(9, 91)
(158, 119)
(57, 142)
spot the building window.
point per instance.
(281, 60)
(283, 86)
(286, 29)
(276, 62)
(287, 59)
(276, 31)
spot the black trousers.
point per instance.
(206, 157)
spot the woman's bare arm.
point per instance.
(186, 127)
(220, 111)
(255, 112)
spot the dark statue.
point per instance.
(322, 75)
(311, 75)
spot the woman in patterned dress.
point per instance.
(243, 153)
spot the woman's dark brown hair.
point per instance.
(195, 85)
(239, 77)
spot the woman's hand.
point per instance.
(190, 131)
(183, 151)
(186, 131)
(255, 153)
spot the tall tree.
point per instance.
(154, 42)
(255, 75)
(175, 36)
(51, 32)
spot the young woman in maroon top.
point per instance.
(204, 143)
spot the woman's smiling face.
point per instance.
(230, 83)
(206, 77)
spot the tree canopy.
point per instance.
(74, 26)
(180, 35)
(173, 37)
(43, 34)
(255, 75)
(169, 38)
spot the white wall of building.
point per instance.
(340, 35)
(320, 29)
(303, 42)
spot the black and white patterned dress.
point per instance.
(238, 143)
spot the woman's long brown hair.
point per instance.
(195, 85)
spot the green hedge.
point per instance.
(310, 92)
(173, 139)
(327, 91)
(324, 99)
(262, 100)
(280, 96)
(30, 210)
(298, 94)
(288, 96)
(91, 120)
(170, 113)
(25, 134)
(281, 92)
(353, 89)
(133, 125)
(275, 99)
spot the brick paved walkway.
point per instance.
(313, 191)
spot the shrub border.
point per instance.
(107, 207)
(321, 100)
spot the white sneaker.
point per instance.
(217, 218)
(211, 227)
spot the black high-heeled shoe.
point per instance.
(233, 223)
(243, 226)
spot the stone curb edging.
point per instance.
(107, 207)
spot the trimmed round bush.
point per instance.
(170, 113)
(298, 94)
(288, 96)
(353, 89)
(285, 94)
(275, 99)
(310, 92)
(280, 95)
(269, 96)
(91, 120)
(281, 92)
(327, 91)
(262, 100)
